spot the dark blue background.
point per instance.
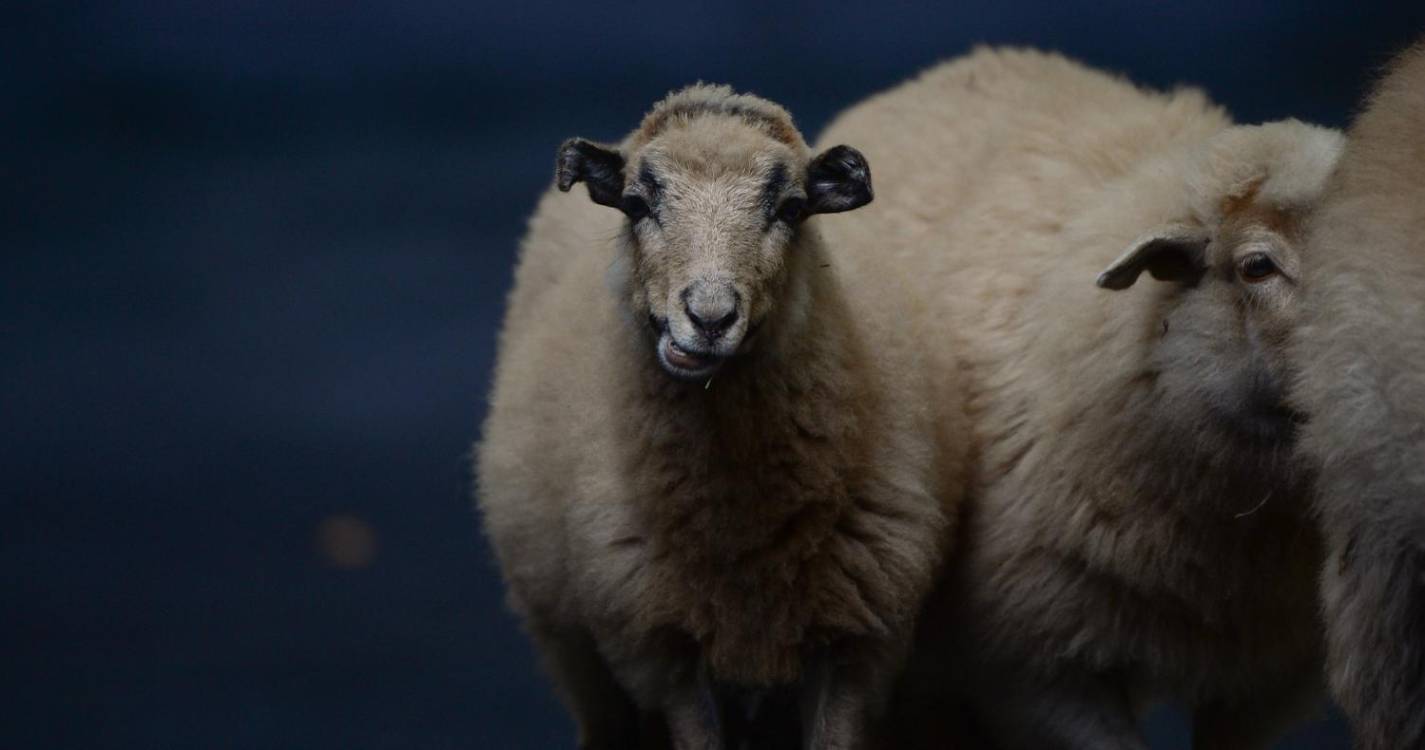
(252, 262)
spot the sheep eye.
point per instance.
(1256, 268)
(635, 207)
(791, 211)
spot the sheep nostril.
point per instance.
(710, 326)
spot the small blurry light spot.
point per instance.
(346, 542)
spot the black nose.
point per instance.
(711, 308)
(711, 323)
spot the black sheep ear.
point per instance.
(601, 169)
(839, 179)
(1176, 252)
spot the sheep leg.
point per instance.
(694, 714)
(1254, 718)
(1217, 726)
(833, 709)
(1072, 712)
(603, 711)
(843, 691)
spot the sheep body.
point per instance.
(1118, 546)
(657, 536)
(1362, 354)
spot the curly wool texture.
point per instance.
(1362, 351)
(1119, 545)
(802, 499)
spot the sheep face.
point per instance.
(1235, 265)
(1224, 334)
(714, 211)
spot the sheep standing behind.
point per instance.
(717, 471)
(1362, 355)
(1137, 528)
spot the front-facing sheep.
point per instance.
(1137, 529)
(716, 470)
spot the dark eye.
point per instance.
(1256, 268)
(635, 207)
(791, 211)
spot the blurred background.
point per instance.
(253, 257)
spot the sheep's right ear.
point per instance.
(839, 179)
(1176, 252)
(598, 167)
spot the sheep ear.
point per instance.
(1173, 253)
(839, 179)
(598, 167)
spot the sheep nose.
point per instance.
(711, 307)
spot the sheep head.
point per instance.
(1233, 258)
(715, 187)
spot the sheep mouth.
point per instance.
(685, 364)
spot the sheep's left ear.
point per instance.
(839, 179)
(1176, 252)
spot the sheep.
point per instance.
(718, 472)
(1137, 528)
(1361, 354)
